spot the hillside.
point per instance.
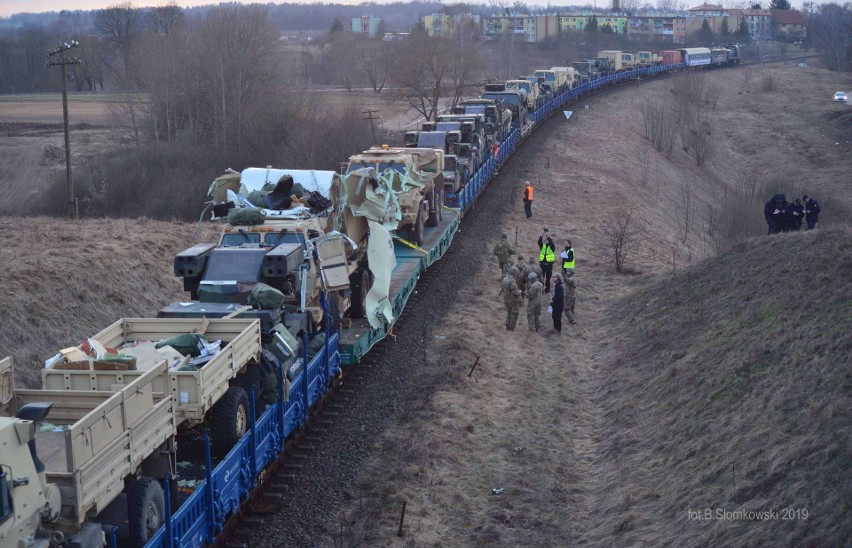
(576, 432)
(729, 389)
(65, 280)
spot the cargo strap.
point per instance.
(411, 245)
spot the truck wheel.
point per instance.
(359, 284)
(146, 510)
(229, 420)
(434, 218)
(416, 232)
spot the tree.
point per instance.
(336, 26)
(120, 26)
(743, 34)
(620, 231)
(424, 65)
(374, 60)
(706, 34)
(756, 6)
(381, 29)
(419, 29)
(607, 29)
(830, 32)
(592, 25)
(165, 19)
(725, 31)
(780, 5)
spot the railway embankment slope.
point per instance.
(66, 280)
(728, 392)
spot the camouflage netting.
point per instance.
(243, 216)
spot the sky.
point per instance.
(10, 7)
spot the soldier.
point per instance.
(570, 294)
(511, 298)
(534, 267)
(534, 293)
(520, 278)
(504, 251)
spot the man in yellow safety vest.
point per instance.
(567, 257)
(546, 257)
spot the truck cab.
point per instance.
(514, 100)
(530, 88)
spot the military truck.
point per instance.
(645, 58)
(530, 88)
(513, 99)
(412, 177)
(613, 61)
(90, 463)
(498, 120)
(566, 77)
(455, 174)
(472, 128)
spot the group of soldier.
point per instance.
(784, 216)
(531, 280)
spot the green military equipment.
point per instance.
(189, 344)
(245, 216)
(265, 296)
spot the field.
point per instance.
(699, 380)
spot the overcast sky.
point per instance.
(9, 7)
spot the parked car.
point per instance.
(840, 97)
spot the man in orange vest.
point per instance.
(528, 198)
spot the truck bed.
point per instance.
(99, 438)
(194, 392)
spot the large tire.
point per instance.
(416, 232)
(359, 285)
(146, 510)
(435, 202)
(229, 420)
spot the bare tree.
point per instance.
(620, 231)
(423, 63)
(830, 32)
(374, 60)
(164, 20)
(120, 26)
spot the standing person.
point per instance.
(778, 213)
(535, 267)
(557, 303)
(534, 293)
(504, 251)
(567, 257)
(519, 276)
(570, 294)
(812, 210)
(798, 214)
(768, 214)
(546, 257)
(511, 298)
(528, 199)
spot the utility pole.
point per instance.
(368, 115)
(63, 62)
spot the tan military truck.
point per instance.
(529, 87)
(91, 460)
(402, 188)
(614, 57)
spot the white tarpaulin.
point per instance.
(382, 261)
(254, 178)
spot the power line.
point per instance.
(63, 62)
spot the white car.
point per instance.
(840, 97)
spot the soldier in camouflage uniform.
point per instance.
(534, 293)
(570, 294)
(519, 277)
(504, 251)
(536, 268)
(512, 297)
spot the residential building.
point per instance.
(618, 24)
(572, 22)
(653, 29)
(521, 27)
(546, 26)
(789, 24)
(759, 22)
(707, 10)
(441, 24)
(366, 24)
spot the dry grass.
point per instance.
(63, 280)
(599, 436)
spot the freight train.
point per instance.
(311, 270)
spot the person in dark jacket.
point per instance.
(812, 210)
(557, 303)
(789, 217)
(769, 214)
(778, 216)
(798, 214)
(546, 257)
